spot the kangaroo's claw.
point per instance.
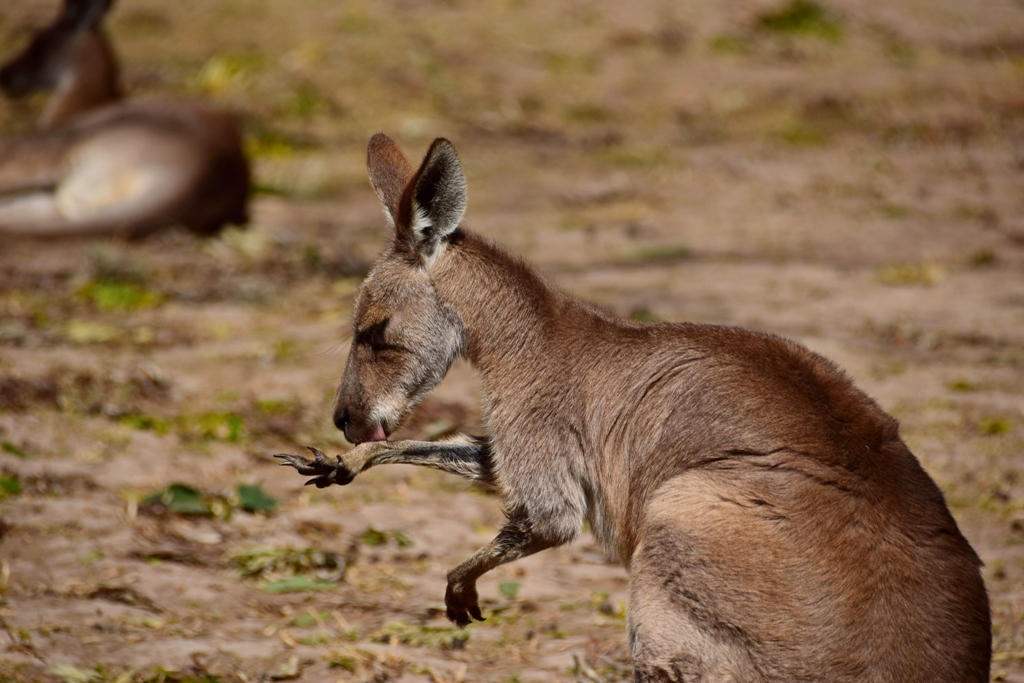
(323, 471)
(462, 605)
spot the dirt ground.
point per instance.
(846, 174)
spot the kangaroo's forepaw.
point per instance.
(321, 468)
(462, 605)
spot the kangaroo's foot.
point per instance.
(323, 471)
(462, 603)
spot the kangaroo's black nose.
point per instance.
(341, 418)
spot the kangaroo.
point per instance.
(103, 166)
(774, 525)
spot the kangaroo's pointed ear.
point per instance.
(85, 13)
(389, 173)
(435, 201)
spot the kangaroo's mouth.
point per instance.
(378, 434)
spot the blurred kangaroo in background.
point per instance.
(774, 525)
(100, 166)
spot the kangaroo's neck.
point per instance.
(508, 310)
(91, 79)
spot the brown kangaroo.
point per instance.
(101, 166)
(775, 527)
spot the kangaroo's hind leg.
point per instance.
(673, 634)
(126, 182)
(723, 588)
(134, 176)
(787, 571)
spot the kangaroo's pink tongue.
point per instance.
(378, 434)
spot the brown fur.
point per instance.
(775, 526)
(183, 164)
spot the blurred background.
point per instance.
(841, 172)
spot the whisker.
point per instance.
(334, 350)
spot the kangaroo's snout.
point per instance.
(356, 432)
(341, 419)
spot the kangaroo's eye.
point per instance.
(373, 337)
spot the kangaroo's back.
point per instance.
(776, 504)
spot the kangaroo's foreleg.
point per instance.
(470, 459)
(515, 540)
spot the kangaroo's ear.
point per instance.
(435, 200)
(389, 173)
(83, 14)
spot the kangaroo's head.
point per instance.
(70, 53)
(404, 337)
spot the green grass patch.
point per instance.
(298, 584)
(281, 565)
(995, 426)
(147, 423)
(420, 635)
(263, 142)
(218, 427)
(803, 18)
(378, 537)
(510, 589)
(254, 499)
(215, 426)
(310, 619)
(10, 485)
(285, 351)
(227, 72)
(11, 449)
(982, 258)
(181, 499)
(119, 296)
(275, 406)
(342, 660)
(91, 557)
(305, 102)
(801, 134)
